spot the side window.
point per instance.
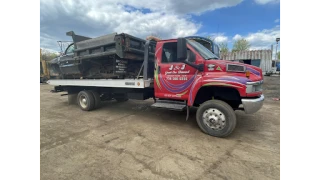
(216, 50)
(169, 52)
(70, 49)
(191, 57)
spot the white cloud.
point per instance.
(237, 37)
(44, 50)
(180, 7)
(261, 39)
(277, 20)
(266, 1)
(167, 18)
(219, 38)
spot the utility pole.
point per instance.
(272, 50)
(277, 40)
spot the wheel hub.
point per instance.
(83, 102)
(214, 119)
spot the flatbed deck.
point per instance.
(115, 83)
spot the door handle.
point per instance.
(159, 69)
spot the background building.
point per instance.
(259, 58)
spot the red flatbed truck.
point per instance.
(185, 74)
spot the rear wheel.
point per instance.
(85, 100)
(216, 118)
(97, 100)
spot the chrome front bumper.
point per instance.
(252, 105)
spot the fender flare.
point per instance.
(198, 84)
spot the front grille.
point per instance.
(235, 68)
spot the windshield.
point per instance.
(203, 51)
(70, 49)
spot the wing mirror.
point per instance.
(182, 49)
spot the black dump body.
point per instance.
(109, 56)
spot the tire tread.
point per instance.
(231, 118)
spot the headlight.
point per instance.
(254, 86)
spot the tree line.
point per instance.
(48, 55)
(238, 45)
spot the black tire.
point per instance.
(121, 97)
(97, 100)
(228, 112)
(89, 100)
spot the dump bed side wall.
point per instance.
(123, 45)
(95, 42)
(106, 57)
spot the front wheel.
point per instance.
(216, 118)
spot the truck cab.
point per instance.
(186, 70)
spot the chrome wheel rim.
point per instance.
(214, 119)
(83, 101)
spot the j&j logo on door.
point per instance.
(177, 67)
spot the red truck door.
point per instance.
(173, 80)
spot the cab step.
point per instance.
(171, 105)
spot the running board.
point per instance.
(171, 105)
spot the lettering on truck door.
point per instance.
(172, 79)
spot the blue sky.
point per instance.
(243, 18)
(258, 21)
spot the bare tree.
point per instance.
(278, 54)
(48, 55)
(241, 45)
(224, 48)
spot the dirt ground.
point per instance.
(132, 141)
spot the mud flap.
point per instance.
(72, 99)
(187, 113)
